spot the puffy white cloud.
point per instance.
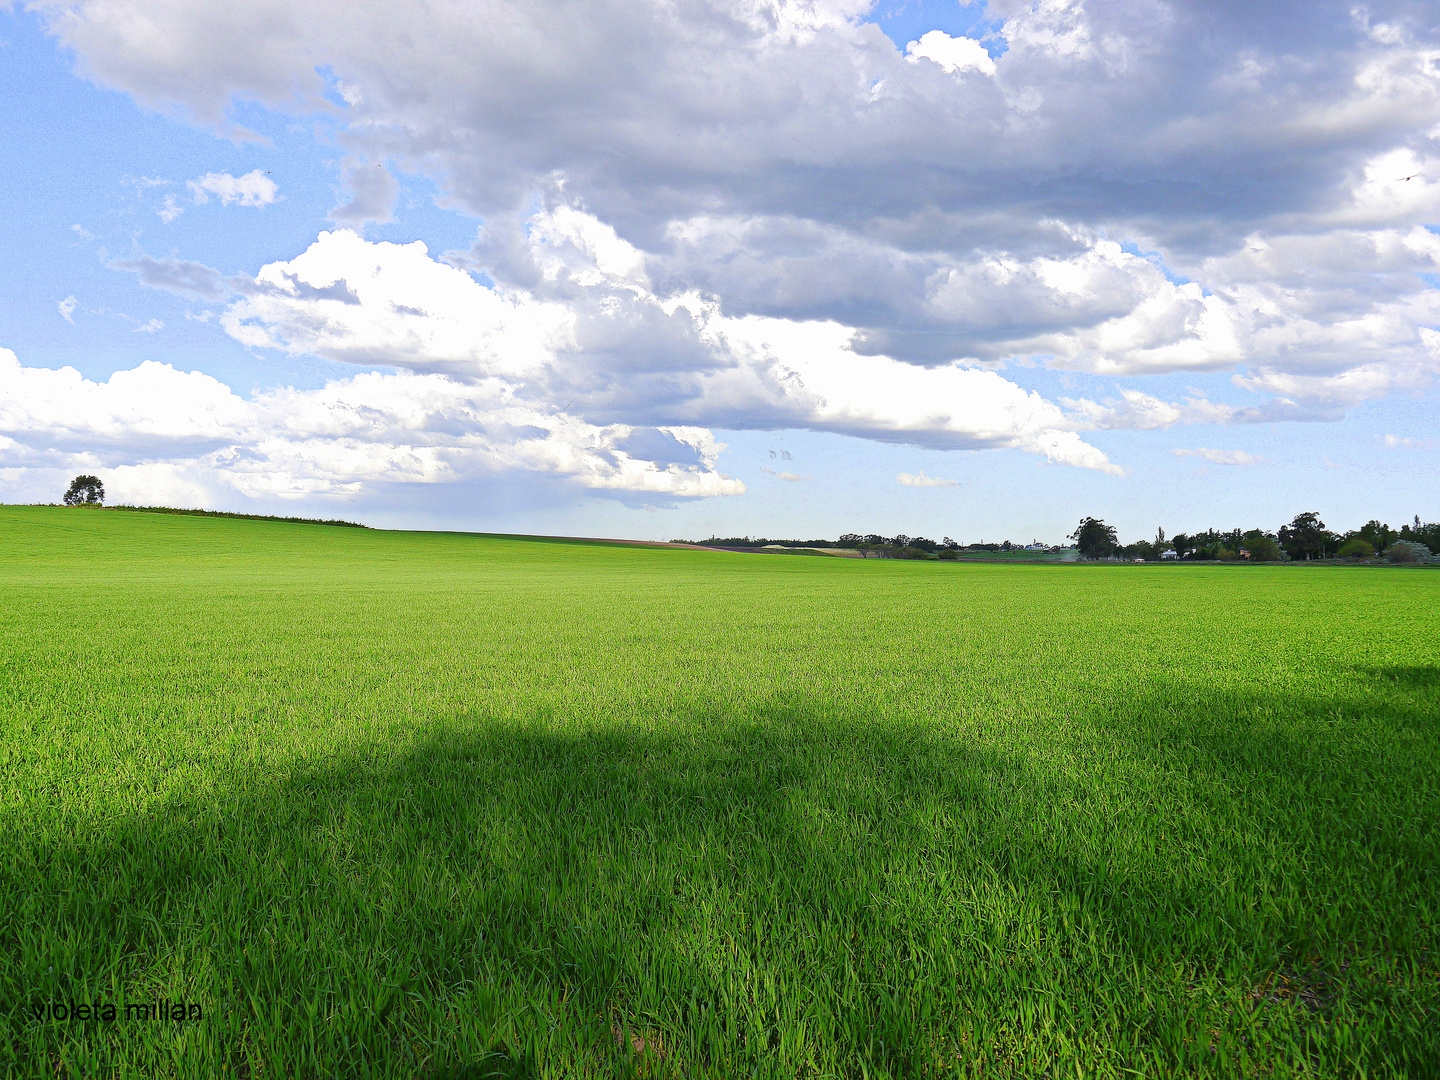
(732, 188)
(1221, 457)
(608, 349)
(252, 189)
(348, 299)
(920, 480)
(952, 54)
(157, 428)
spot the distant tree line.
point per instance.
(243, 517)
(1305, 538)
(869, 545)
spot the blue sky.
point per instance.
(766, 268)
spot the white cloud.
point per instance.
(82, 232)
(1221, 457)
(252, 189)
(150, 326)
(919, 479)
(67, 308)
(170, 211)
(1398, 442)
(952, 54)
(1133, 188)
(793, 478)
(160, 428)
(621, 352)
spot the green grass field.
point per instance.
(436, 805)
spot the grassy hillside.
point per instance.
(437, 805)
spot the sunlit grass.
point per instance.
(390, 804)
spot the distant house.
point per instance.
(1036, 546)
(1169, 554)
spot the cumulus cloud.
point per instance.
(591, 338)
(67, 308)
(764, 213)
(952, 54)
(919, 479)
(349, 436)
(252, 189)
(1221, 457)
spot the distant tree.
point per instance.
(1377, 535)
(1357, 547)
(949, 554)
(1407, 551)
(1261, 545)
(1429, 535)
(1306, 537)
(85, 489)
(851, 540)
(1094, 538)
(949, 543)
(1182, 544)
(1206, 544)
(1141, 549)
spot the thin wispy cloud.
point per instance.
(253, 189)
(67, 308)
(1397, 442)
(920, 480)
(1221, 457)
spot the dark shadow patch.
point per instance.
(504, 895)
(1418, 676)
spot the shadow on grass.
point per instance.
(1420, 676)
(796, 892)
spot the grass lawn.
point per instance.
(436, 805)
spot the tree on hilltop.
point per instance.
(86, 490)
